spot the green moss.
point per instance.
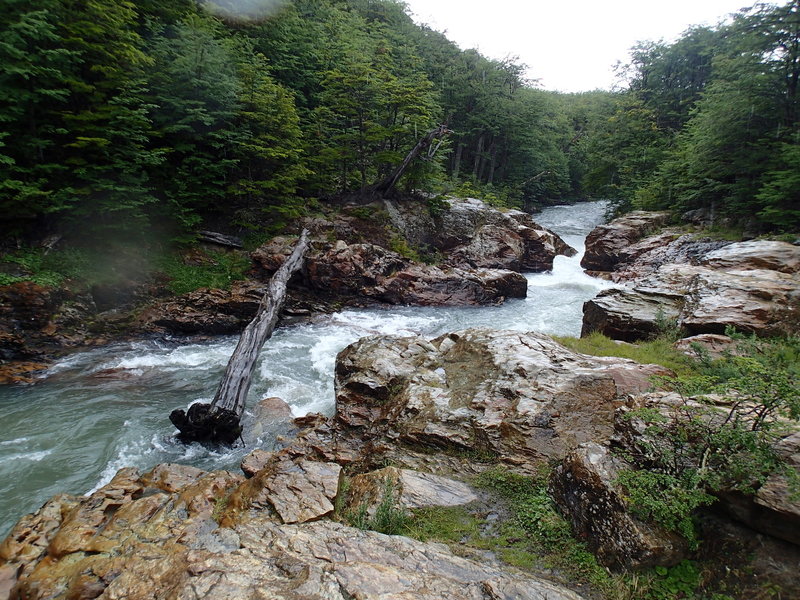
(219, 271)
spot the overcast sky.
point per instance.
(569, 45)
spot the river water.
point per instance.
(98, 411)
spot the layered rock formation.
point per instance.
(698, 285)
(471, 234)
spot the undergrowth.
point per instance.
(220, 270)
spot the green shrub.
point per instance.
(389, 517)
(720, 436)
(49, 269)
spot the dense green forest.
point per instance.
(127, 119)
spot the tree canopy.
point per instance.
(124, 118)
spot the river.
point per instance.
(101, 410)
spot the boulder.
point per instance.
(753, 301)
(471, 234)
(584, 487)
(630, 314)
(36, 321)
(605, 243)
(712, 344)
(297, 490)
(407, 489)
(374, 273)
(652, 253)
(521, 396)
(698, 300)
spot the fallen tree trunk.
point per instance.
(220, 421)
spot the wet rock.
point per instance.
(407, 489)
(471, 234)
(371, 272)
(255, 461)
(651, 255)
(442, 286)
(20, 372)
(630, 315)
(521, 396)
(207, 311)
(584, 486)
(755, 301)
(759, 254)
(698, 300)
(605, 243)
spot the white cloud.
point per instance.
(569, 46)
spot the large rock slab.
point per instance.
(756, 254)
(158, 536)
(407, 489)
(471, 234)
(520, 395)
(606, 243)
(584, 486)
(297, 490)
(630, 314)
(699, 300)
(206, 311)
(372, 272)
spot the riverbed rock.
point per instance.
(297, 490)
(371, 272)
(605, 243)
(470, 234)
(205, 311)
(630, 314)
(697, 300)
(39, 322)
(584, 487)
(521, 396)
(158, 536)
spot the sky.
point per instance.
(568, 45)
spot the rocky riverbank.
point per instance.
(440, 412)
(417, 423)
(688, 281)
(360, 256)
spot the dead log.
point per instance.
(220, 239)
(220, 421)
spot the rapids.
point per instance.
(101, 410)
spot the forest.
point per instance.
(148, 120)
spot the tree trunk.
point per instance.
(219, 421)
(457, 160)
(386, 186)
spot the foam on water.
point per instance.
(107, 409)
